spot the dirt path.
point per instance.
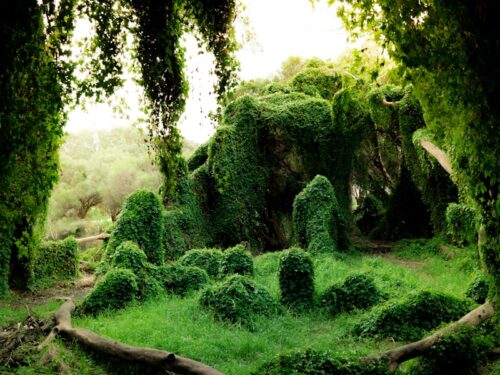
(75, 289)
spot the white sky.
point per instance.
(281, 28)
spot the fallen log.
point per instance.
(97, 237)
(157, 358)
(406, 352)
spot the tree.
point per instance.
(37, 80)
(450, 50)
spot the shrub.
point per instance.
(237, 260)
(55, 260)
(140, 221)
(114, 291)
(411, 317)
(357, 292)
(237, 300)
(180, 280)
(296, 277)
(207, 259)
(129, 256)
(478, 289)
(461, 224)
(310, 362)
(317, 221)
(459, 353)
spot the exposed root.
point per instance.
(153, 357)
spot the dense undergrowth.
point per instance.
(177, 323)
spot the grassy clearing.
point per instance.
(179, 325)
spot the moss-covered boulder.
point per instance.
(410, 317)
(209, 260)
(140, 221)
(318, 223)
(117, 289)
(296, 278)
(237, 260)
(237, 300)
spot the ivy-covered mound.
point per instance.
(237, 300)
(296, 278)
(357, 292)
(319, 224)
(411, 317)
(310, 362)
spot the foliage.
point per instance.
(199, 157)
(101, 168)
(456, 79)
(141, 222)
(114, 291)
(321, 81)
(129, 256)
(410, 317)
(209, 260)
(55, 260)
(180, 280)
(296, 278)
(357, 292)
(311, 362)
(478, 289)
(462, 352)
(237, 260)
(319, 225)
(237, 300)
(32, 119)
(461, 224)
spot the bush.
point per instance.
(411, 317)
(114, 291)
(458, 353)
(310, 362)
(237, 300)
(478, 289)
(296, 277)
(129, 256)
(209, 260)
(317, 221)
(180, 280)
(237, 260)
(140, 221)
(56, 260)
(461, 224)
(357, 292)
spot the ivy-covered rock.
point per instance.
(209, 260)
(55, 260)
(478, 289)
(237, 300)
(357, 292)
(180, 280)
(114, 291)
(237, 260)
(318, 223)
(311, 362)
(296, 278)
(140, 221)
(129, 256)
(409, 318)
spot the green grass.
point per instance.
(179, 325)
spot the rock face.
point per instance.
(263, 154)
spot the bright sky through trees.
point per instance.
(269, 32)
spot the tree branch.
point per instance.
(153, 357)
(406, 352)
(439, 154)
(98, 237)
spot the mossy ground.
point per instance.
(178, 324)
